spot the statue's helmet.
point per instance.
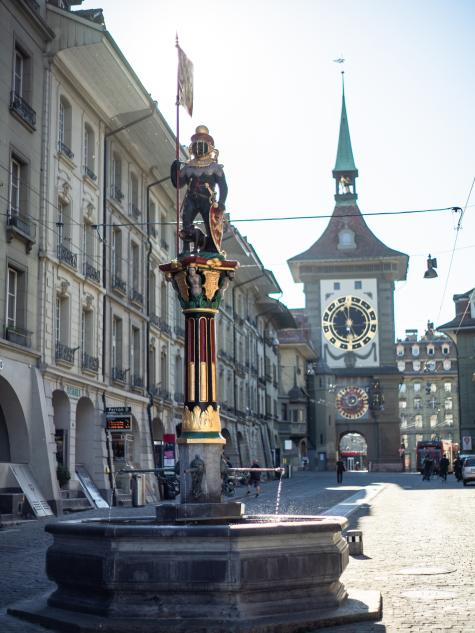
(202, 142)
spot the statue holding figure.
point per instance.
(197, 469)
(201, 174)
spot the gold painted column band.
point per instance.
(191, 382)
(196, 420)
(203, 382)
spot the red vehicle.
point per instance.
(435, 449)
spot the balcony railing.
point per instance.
(155, 320)
(119, 374)
(65, 150)
(21, 108)
(179, 397)
(135, 211)
(22, 227)
(119, 284)
(89, 363)
(18, 335)
(66, 256)
(92, 273)
(136, 297)
(89, 173)
(180, 331)
(137, 381)
(163, 325)
(116, 193)
(65, 353)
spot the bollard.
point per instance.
(354, 539)
(138, 491)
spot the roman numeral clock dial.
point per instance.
(349, 323)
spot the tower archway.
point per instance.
(353, 450)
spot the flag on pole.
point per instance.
(185, 82)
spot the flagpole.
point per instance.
(177, 150)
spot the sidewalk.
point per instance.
(418, 551)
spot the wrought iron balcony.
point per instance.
(135, 211)
(136, 297)
(18, 335)
(116, 193)
(119, 284)
(65, 150)
(65, 354)
(24, 111)
(164, 244)
(163, 325)
(89, 173)
(21, 226)
(66, 256)
(119, 374)
(179, 397)
(92, 273)
(137, 381)
(89, 363)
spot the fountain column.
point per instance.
(200, 283)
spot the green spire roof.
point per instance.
(344, 155)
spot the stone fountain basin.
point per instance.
(259, 574)
(256, 567)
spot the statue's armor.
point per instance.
(201, 181)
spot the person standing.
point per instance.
(254, 479)
(443, 467)
(340, 469)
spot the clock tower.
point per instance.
(349, 277)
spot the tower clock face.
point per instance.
(352, 402)
(349, 323)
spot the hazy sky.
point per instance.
(269, 91)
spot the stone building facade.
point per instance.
(428, 393)
(89, 324)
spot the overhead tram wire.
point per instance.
(457, 231)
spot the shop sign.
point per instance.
(74, 392)
(118, 410)
(119, 423)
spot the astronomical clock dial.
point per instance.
(349, 323)
(352, 402)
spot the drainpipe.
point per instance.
(149, 254)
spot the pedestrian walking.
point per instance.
(427, 466)
(254, 479)
(443, 467)
(458, 468)
(340, 469)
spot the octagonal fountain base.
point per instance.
(262, 574)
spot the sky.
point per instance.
(268, 88)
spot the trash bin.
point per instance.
(138, 491)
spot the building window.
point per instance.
(20, 97)
(89, 152)
(19, 66)
(448, 403)
(164, 369)
(62, 320)
(418, 421)
(447, 364)
(416, 365)
(134, 196)
(336, 285)
(135, 266)
(415, 350)
(449, 419)
(163, 301)
(430, 365)
(358, 285)
(65, 127)
(16, 307)
(448, 387)
(445, 350)
(400, 350)
(402, 404)
(403, 388)
(433, 421)
(403, 422)
(135, 358)
(401, 365)
(417, 387)
(346, 239)
(116, 252)
(116, 189)
(88, 332)
(153, 219)
(417, 403)
(430, 350)
(116, 343)
(16, 182)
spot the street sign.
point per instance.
(118, 410)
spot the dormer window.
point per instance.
(430, 350)
(415, 350)
(346, 239)
(400, 350)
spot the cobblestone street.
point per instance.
(416, 536)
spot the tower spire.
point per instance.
(345, 171)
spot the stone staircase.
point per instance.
(74, 501)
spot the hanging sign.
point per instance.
(120, 423)
(467, 442)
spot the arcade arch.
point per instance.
(86, 434)
(62, 421)
(14, 444)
